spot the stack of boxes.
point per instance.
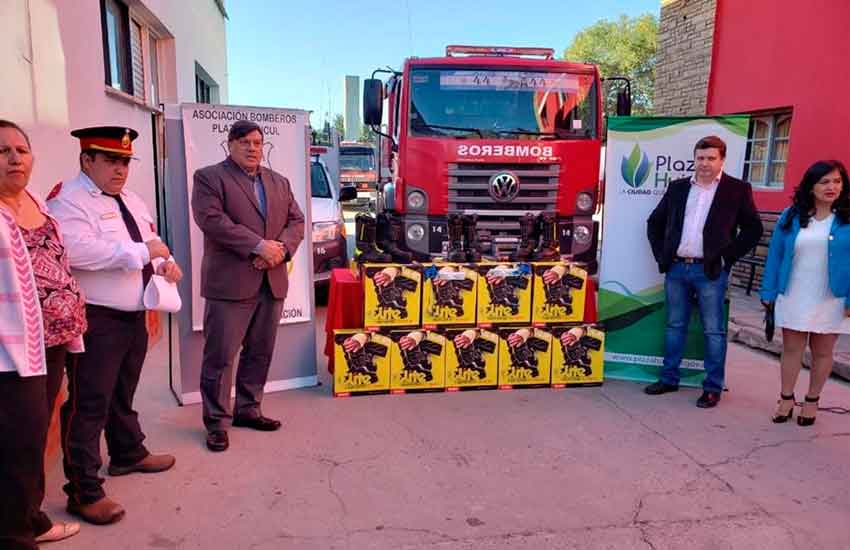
(451, 326)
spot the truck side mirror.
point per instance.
(347, 193)
(624, 103)
(373, 101)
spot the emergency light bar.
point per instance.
(498, 51)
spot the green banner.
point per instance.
(643, 155)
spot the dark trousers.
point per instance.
(227, 325)
(26, 405)
(101, 385)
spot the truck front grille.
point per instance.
(469, 193)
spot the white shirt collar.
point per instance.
(92, 188)
(709, 186)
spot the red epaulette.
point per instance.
(55, 191)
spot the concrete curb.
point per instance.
(753, 337)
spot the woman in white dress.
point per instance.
(807, 281)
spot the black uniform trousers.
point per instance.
(101, 384)
(26, 405)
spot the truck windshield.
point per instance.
(364, 161)
(319, 186)
(502, 104)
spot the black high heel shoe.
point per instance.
(780, 418)
(808, 420)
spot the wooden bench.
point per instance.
(753, 262)
(750, 267)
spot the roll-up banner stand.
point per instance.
(643, 155)
(196, 136)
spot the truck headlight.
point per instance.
(584, 201)
(416, 232)
(325, 231)
(416, 200)
(581, 234)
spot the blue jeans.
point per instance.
(681, 282)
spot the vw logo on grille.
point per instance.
(504, 186)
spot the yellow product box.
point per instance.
(504, 294)
(417, 361)
(361, 362)
(472, 358)
(578, 356)
(525, 357)
(559, 293)
(449, 293)
(392, 295)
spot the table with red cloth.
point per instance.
(345, 307)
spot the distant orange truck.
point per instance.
(357, 166)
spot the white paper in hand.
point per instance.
(160, 295)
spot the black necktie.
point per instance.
(135, 234)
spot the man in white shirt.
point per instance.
(114, 250)
(699, 229)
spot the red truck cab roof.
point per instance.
(503, 62)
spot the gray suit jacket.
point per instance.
(226, 209)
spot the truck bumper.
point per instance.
(434, 231)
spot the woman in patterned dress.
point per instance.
(42, 318)
(807, 280)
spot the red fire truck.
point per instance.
(491, 131)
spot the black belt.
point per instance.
(687, 260)
(93, 310)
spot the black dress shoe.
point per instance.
(262, 423)
(657, 388)
(708, 399)
(217, 441)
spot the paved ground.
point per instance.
(585, 468)
(746, 325)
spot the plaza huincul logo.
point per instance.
(635, 168)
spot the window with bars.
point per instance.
(206, 89)
(153, 81)
(138, 60)
(767, 149)
(202, 90)
(115, 23)
(130, 53)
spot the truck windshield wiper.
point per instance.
(521, 131)
(441, 127)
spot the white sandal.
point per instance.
(59, 531)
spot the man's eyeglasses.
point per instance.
(248, 143)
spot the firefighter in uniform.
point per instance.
(114, 250)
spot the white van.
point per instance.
(329, 245)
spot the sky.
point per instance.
(295, 53)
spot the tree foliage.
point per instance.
(625, 47)
(367, 136)
(322, 136)
(339, 124)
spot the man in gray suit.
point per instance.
(252, 227)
